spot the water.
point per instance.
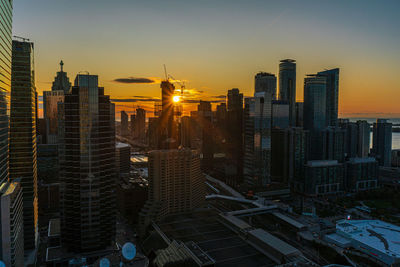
(395, 135)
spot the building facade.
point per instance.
(89, 209)
(176, 184)
(265, 82)
(287, 86)
(362, 174)
(332, 95)
(23, 157)
(124, 123)
(122, 158)
(11, 226)
(382, 142)
(315, 112)
(257, 140)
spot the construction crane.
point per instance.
(21, 38)
(169, 76)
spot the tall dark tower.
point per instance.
(89, 201)
(332, 95)
(23, 164)
(287, 86)
(168, 133)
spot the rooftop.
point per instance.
(121, 145)
(380, 235)
(54, 227)
(362, 160)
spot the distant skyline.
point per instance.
(218, 45)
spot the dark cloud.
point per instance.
(135, 99)
(195, 101)
(134, 80)
(219, 96)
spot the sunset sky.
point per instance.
(217, 45)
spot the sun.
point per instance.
(176, 98)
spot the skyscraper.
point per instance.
(265, 82)
(257, 139)
(23, 164)
(234, 138)
(5, 86)
(204, 118)
(287, 86)
(176, 184)
(124, 123)
(382, 142)
(11, 226)
(363, 138)
(332, 95)
(60, 87)
(89, 204)
(140, 123)
(315, 112)
(168, 133)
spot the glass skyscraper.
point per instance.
(287, 86)
(332, 95)
(315, 112)
(89, 177)
(257, 139)
(23, 164)
(382, 142)
(5, 84)
(265, 82)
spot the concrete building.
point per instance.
(382, 142)
(122, 158)
(11, 226)
(361, 174)
(89, 209)
(204, 119)
(176, 184)
(265, 82)
(23, 158)
(257, 140)
(324, 177)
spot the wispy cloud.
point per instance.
(136, 99)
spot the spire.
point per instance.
(61, 65)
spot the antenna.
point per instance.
(165, 72)
(129, 251)
(104, 262)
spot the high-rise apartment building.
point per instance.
(287, 86)
(333, 144)
(89, 180)
(265, 82)
(124, 123)
(288, 154)
(176, 184)
(382, 142)
(257, 140)
(23, 164)
(315, 112)
(332, 95)
(363, 138)
(234, 136)
(11, 226)
(204, 119)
